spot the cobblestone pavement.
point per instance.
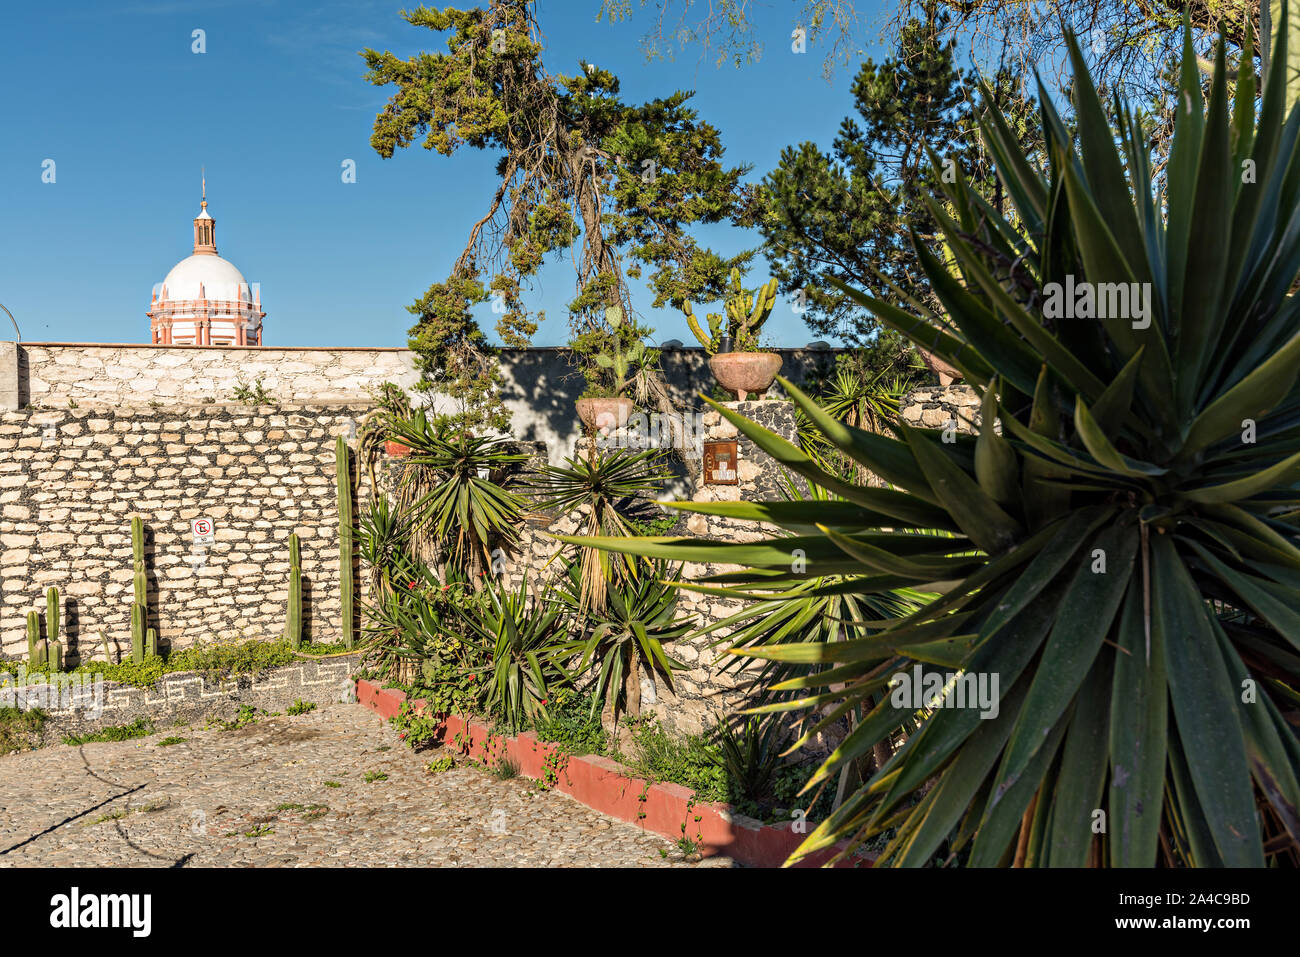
(293, 792)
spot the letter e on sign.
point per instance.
(202, 531)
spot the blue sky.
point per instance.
(113, 94)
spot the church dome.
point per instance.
(206, 277)
(205, 300)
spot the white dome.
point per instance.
(220, 279)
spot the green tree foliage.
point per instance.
(844, 215)
(620, 185)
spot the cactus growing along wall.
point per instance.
(293, 617)
(343, 483)
(71, 478)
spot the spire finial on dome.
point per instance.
(204, 180)
(205, 227)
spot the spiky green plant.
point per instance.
(744, 319)
(523, 638)
(343, 482)
(384, 548)
(1123, 557)
(607, 489)
(457, 491)
(626, 636)
(293, 616)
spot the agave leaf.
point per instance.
(1100, 448)
(1138, 725)
(1204, 710)
(891, 507)
(957, 787)
(1005, 811)
(996, 467)
(978, 515)
(1087, 611)
(1202, 315)
(1242, 488)
(1081, 779)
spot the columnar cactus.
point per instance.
(293, 620)
(140, 646)
(137, 551)
(35, 644)
(150, 643)
(343, 476)
(745, 317)
(137, 631)
(54, 648)
(108, 653)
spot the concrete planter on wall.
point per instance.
(742, 372)
(608, 787)
(605, 413)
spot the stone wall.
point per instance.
(57, 375)
(933, 406)
(70, 480)
(540, 386)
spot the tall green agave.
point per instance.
(1123, 552)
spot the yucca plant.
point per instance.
(857, 397)
(524, 638)
(456, 490)
(625, 638)
(607, 489)
(384, 544)
(751, 755)
(1123, 559)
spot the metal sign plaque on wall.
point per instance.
(720, 463)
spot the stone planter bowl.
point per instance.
(605, 414)
(742, 372)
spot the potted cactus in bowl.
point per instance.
(613, 359)
(732, 340)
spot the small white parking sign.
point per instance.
(203, 531)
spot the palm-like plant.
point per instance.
(856, 397)
(456, 489)
(627, 634)
(608, 490)
(1125, 554)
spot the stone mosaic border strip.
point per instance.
(186, 696)
(612, 789)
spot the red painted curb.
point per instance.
(608, 787)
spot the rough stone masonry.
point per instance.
(70, 480)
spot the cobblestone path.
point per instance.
(332, 787)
